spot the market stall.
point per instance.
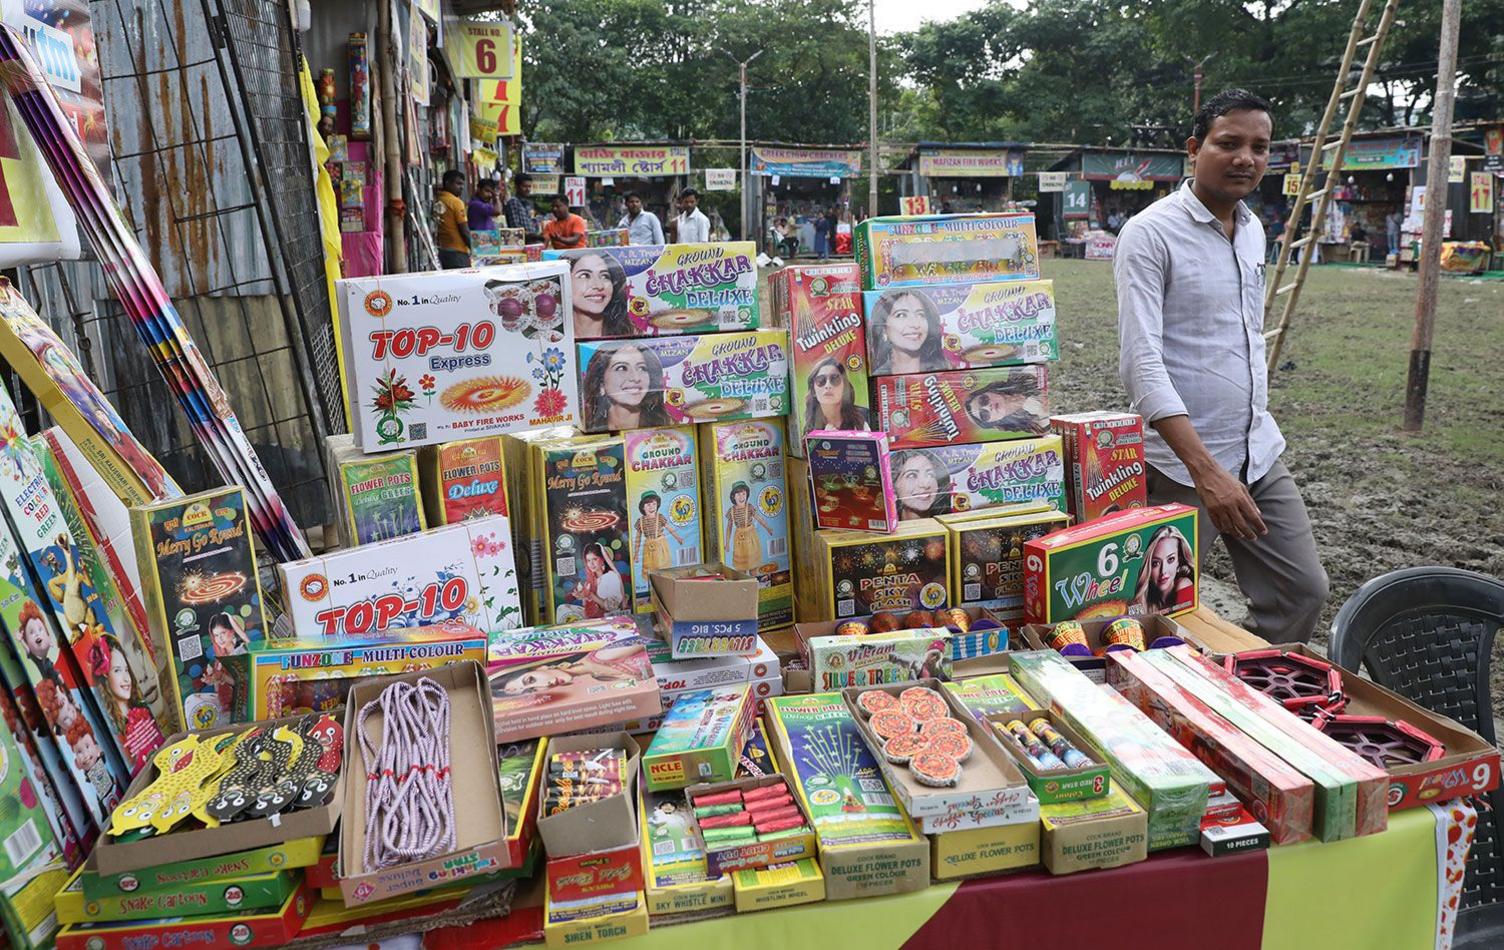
(962, 177)
(656, 171)
(793, 185)
(1118, 183)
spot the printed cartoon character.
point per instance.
(746, 548)
(669, 823)
(850, 804)
(66, 585)
(650, 544)
(89, 757)
(37, 640)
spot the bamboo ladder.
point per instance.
(1275, 288)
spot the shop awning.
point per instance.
(1130, 168)
(771, 160)
(631, 161)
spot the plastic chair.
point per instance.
(1428, 633)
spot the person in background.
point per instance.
(822, 236)
(519, 208)
(1392, 224)
(642, 226)
(691, 226)
(565, 230)
(1115, 221)
(481, 211)
(832, 222)
(453, 230)
(1276, 231)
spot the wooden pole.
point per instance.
(871, 109)
(391, 146)
(1437, 163)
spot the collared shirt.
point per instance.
(572, 226)
(693, 228)
(480, 214)
(519, 214)
(643, 229)
(1191, 333)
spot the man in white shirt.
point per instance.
(1190, 284)
(642, 226)
(691, 226)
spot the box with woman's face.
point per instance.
(821, 307)
(932, 328)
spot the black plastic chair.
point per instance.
(1428, 633)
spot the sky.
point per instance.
(895, 16)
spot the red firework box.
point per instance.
(994, 404)
(1104, 457)
(252, 928)
(851, 476)
(583, 877)
(821, 307)
(463, 479)
(1281, 797)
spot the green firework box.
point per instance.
(904, 250)
(296, 853)
(991, 695)
(29, 847)
(745, 491)
(376, 496)
(663, 504)
(196, 899)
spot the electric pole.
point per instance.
(872, 106)
(742, 73)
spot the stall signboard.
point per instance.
(1077, 199)
(1481, 193)
(1371, 154)
(547, 184)
(1100, 246)
(720, 179)
(914, 204)
(1052, 182)
(500, 100)
(771, 161)
(971, 163)
(1131, 167)
(1494, 164)
(631, 161)
(482, 50)
(543, 158)
(417, 54)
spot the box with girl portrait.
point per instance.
(821, 307)
(663, 504)
(746, 510)
(655, 290)
(579, 509)
(995, 404)
(962, 478)
(960, 326)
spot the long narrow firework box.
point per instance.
(1281, 798)
(821, 307)
(1170, 784)
(964, 478)
(905, 250)
(1105, 452)
(251, 928)
(463, 479)
(994, 404)
(285, 855)
(699, 739)
(991, 695)
(987, 552)
(868, 845)
(527, 537)
(1367, 784)
(375, 496)
(747, 524)
(253, 892)
(664, 289)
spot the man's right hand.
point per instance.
(1228, 503)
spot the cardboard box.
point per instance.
(851, 476)
(597, 875)
(522, 767)
(663, 505)
(674, 872)
(987, 553)
(657, 289)
(685, 379)
(267, 859)
(704, 672)
(252, 928)
(566, 925)
(751, 533)
(461, 572)
(821, 307)
(1233, 834)
(863, 853)
(528, 535)
(445, 355)
(990, 695)
(1062, 785)
(601, 825)
(905, 250)
(725, 859)
(864, 572)
(778, 885)
(375, 496)
(982, 851)
(699, 739)
(707, 610)
(1104, 568)
(253, 892)
(960, 326)
(809, 594)
(464, 479)
(548, 681)
(919, 410)
(1105, 455)
(1158, 628)
(1106, 832)
(480, 824)
(837, 662)
(981, 640)
(579, 508)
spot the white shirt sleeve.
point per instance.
(657, 228)
(1139, 266)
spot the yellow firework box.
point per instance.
(517, 464)
(663, 504)
(987, 552)
(747, 509)
(865, 572)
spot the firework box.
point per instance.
(706, 672)
(461, 572)
(32, 854)
(579, 504)
(699, 739)
(566, 924)
(546, 681)
(112, 858)
(778, 885)
(837, 661)
(707, 610)
(662, 289)
(445, 355)
(905, 250)
(296, 676)
(480, 823)
(1281, 796)
(1105, 455)
(987, 553)
(808, 595)
(596, 875)
(198, 565)
(863, 572)
(977, 852)
(851, 477)
(991, 695)
(662, 469)
(675, 877)
(990, 781)
(751, 455)
(868, 845)
(969, 478)
(522, 768)
(919, 410)
(726, 859)
(1170, 784)
(266, 859)
(374, 497)
(758, 691)
(527, 535)
(1157, 629)
(251, 928)
(821, 307)
(603, 825)
(606, 237)
(463, 479)
(1064, 785)
(1106, 832)
(252, 892)
(1233, 834)
(1096, 570)
(26, 907)
(715, 377)
(966, 327)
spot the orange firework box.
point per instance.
(463, 479)
(1104, 457)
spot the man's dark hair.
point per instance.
(689, 193)
(485, 183)
(1228, 100)
(560, 197)
(454, 174)
(631, 195)
(523, 180)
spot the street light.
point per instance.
(742, 72)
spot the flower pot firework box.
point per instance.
(651, 290)
(904, 250)
(851, 477)
(448, 354)
(746, 510)
(1105, 455)
(463, 479)
(960, 326)
(663, 504)
(965, 405)
(1136, 563)
(460, 572)
(699, 739)
(962, 478)
(864, 572)
(821, 307)
(662, 381)
(376, 496)
(987, 553)
(1105, 832)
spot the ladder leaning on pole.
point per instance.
(1352, 95)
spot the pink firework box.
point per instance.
(995, 404)
(821, 307)
(938, 327)
(851, 477)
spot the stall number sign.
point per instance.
(1482, 193)
(1077, 199)
(574, 191)
(1292, 184)
(720, 179)
(483, 50)
(915, 204)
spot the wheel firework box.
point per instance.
(376, 495)
(663, 504)
(851, 476)
(971, 405)
(580, 512)
(656, 289)
(964, 326)
(444, 355)
(965, 478)
(821, 307)
(1135, 563)
(461, 572)
(196, 899)
(904, 250)
(746, 510)
(464, 479)
(1105, 455)
(198, 575)
(865, 572)
(987, 553)
(657, 381)
(250, 928)
(1170, 783)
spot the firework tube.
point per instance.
(766, 791)
(727, 821)
(786, 833)
(1069, 639)
(1059, 744)
(1038, 753)
(732, 797)
(711, 811)
(779, 815)
(725, 837)
(763, 801)
(956, 619)
(785, 825)
(1125, 631)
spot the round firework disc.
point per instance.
(199, 589)
(957, 747)
(852, 628)
(589, 521)
(935, 768)
(900, 749)
(919, 696)
(942, 727)
(988, 353)
(714, 408)
(891, 722)
(876, 701)
(1294, 680)
(679, 319)
(1385, 743)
